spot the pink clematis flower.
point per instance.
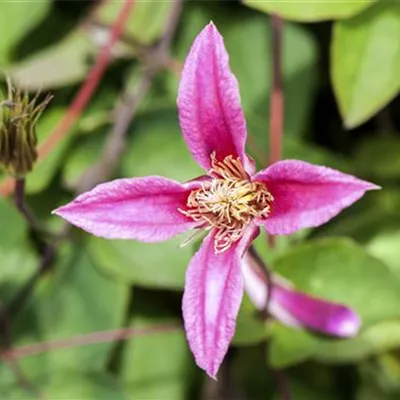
(231, 202)
(294, 308)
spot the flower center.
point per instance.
(228, 202)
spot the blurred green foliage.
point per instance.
(339, 72)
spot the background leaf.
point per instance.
(366, 79)
(310, 11)
(69, 303)
(161, 360)
(64, 63)
(45, 169)
(340, 271)
(14, 24)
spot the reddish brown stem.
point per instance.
(277, 99)
(86, 339)
(282, 383)
(85, 92)
(89, 86)
(277, 106)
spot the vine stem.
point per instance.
(20, 204)
(277, 100)
(85, 92)
(156, 59)
(264, 272)
(86, 339)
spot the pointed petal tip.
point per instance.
(144, 209)
(209, 29)
(372, 186)
(209, 105)
(207, 364)
(211, 369)
(60, 211)
(308, 195)
(211, 300)
(212, 375)
(64, 211)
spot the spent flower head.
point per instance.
(230, 202)
(18, 118)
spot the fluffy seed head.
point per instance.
(18, 118)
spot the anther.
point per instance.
(228, 203)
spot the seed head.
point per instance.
(18, 118)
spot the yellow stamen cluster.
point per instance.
(228, 202)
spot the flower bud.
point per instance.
(18, 118)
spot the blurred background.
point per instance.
(86, 318)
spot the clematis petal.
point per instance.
(307, 195)
(320, 315)
(298, 309)
(210, 111)
(145, 209)
(211, 300)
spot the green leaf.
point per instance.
(70, 384)
(329, 267)
(299, 58)
(89, 386)
(18, 260)
(44, 171)
(251, 374)
(62, 64)
(310, 11)
(13, 227)
(300, 390)
(75, 293)
(82, 157)
(373, 340)
(376, 213)
(15, 24)
(281, 244)
(380, 378)
(385, 247)
(370, 391)
(366, 162)
(296, 148)
(290, 346)
(340, 271)
(250, 326)
(365, 60)
(157, 365)
(145, 24)
(70, 302)
(156, 147)
(18, 264)
(293, 148)
(383, 371)
(158, 265)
